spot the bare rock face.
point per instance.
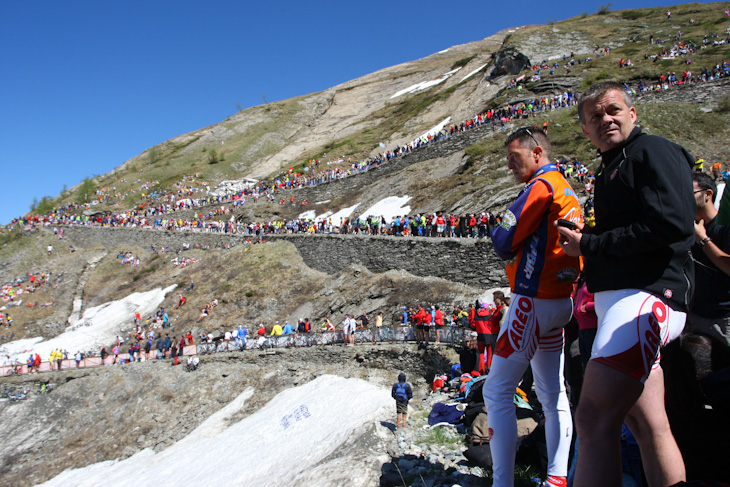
(507, 62)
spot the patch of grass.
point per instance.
(10, 236)
(474, 153)
(462, 62)
(724, 105)
(632, 14)
(443, 436)
(524, 475)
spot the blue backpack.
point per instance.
(400, 392)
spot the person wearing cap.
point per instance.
(262, 331)
(404, 316)
(402, 393)
(541, 277)
(276, 330)
(288, 329)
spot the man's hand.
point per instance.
(700, 232)
(570, 239)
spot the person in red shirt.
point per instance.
(472, 313)
(440, 225)
(189, 338)
(419, 318)
(262, 330)
(481, 323)
(427, 321)
(492, 328)
(438, 320)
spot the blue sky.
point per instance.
(87, 85)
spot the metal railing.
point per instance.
(370, 335)
(392, 334)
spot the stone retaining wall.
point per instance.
(469, 261)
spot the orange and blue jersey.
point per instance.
(526, 237)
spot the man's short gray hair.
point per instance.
(598, 90)
(530, 137)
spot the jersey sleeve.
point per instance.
(522, 219)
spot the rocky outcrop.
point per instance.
(508, 62)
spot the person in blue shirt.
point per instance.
(288, 329)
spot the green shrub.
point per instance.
(86, 191)
(213, 157)
(153, 155)
(604, 9)
(45, 205)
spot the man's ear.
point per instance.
(538, 151)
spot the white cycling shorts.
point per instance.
(633, 325)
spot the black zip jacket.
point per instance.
(645, 210)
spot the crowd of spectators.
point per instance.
(149, 339)
(14, 292)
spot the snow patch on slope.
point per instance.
(262, 449)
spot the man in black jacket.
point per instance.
(637, 263)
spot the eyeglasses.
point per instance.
(525, 129)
